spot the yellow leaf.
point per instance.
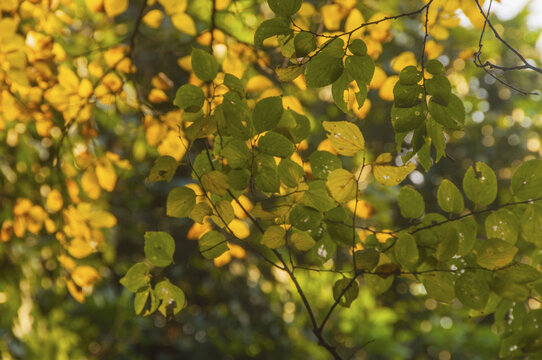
(378, 78)
(85, 88)
(386, 90)
(390, 175)
(223, 259)
(364, 210)
(84, 275)
(89, 183)
(402, 60)
(115, 7)
(75, 291)
(184, 23)
(345, 137)
(173, 145)
(79, 248)
(354, 20)
(54, 201)
(342, 185)
(433, 49)
(67, 79)
(174, 6)
(237, 251)
(258, 83)
(153, 18)
(22, 206)
(197, 230)
(470, 9)
(331, 15)
(6, 230)
(102, 219)
(239, 228)
(66, 262)
(162, 81)
(381, 31)
(157, 96)
(105, 174)
(94, 5)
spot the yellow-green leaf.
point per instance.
(389, 175)
(345, 137)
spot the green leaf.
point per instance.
(472, 290)
(180, 202)
(204, 65)
(333, 48)
(480, 186)
(448, 243)
(136, 278)
(411, 203)
(237, 153)
(345, 291)
(285, 8)
(366, 259)
(302, 240)
(304, 44)
(520, 274)
(296, 125)
(510, 290)
(318, 197)
(212, 244)
(290, 172)
(495, 253)
(304, 217)
(171, 298)
(267, 113)
(437, 138)
(406, 96)
(201, 128)
(190, 98)
(234, 117)
(141, 301)
(338, 88)
(289, 73)
(410, 75)
(531, 225)
(345, 137)
(407, 119)
(406, 251)
(275, 144)
(360, 68)
(200, 211)
(225, 213)
(323, 163)
(238, 179)
(439, 88)
(452, 116)
(527, 180)
(466, 232)
(163, 169)
(449, 197)
(265, 172)
(323, 70)
(342, 185)
(234, 84)
(377, 284)
(358, 47)
(274, 237)
(271, 27)
(434, 67)
(215, 182)
(439, 286)
(502, 224)
(159, 248)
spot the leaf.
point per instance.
(285, 8)
(225, 213)
(531, 225)
(238, 179)
(472, 290)
(520, 274)
(405, 96)
(54, 201)
(323, 70)
(189, 98)
(289, 73)
(265, 173)
(434, 67)
(358, 47)
(275, 144)
(510, 290)
(318, 197)
(271, 27)
(200, 211)
(466, 232)
(274, 237)
(342, 185)
(407, 119)
(212, 244)
(141, 300)
(304, 217)
(302, 240)
(410, 75)
(406, 251)
(345, 137)
(480, 186)
(323, 163)
(290, 173)
(267, 113)
(527, 180)
(449, 197)
(215, 182)
(495, 253)
(204, 65)
(345, 291)
(439, 286)
(115, 7)
(237, 153)
(106, 175)
(389, 175)
(360, 68)
(439, 88)
(411, 203)
(304, 44)
(170, 296)
(136, 278)
(201, 128)
(163, 169)
(366, 259)
(159, 248)
(451, 116)
(502, 224)
(338, 89)
(448, 243)
(234, 84)
(180, 202)
(234, 117)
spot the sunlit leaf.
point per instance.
(345, 137)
